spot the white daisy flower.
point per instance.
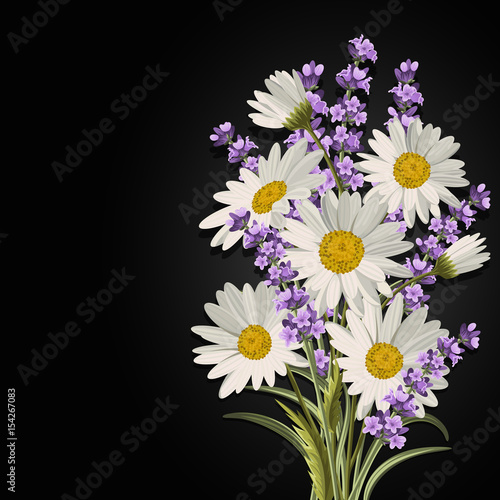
(463, 256)
(345, 250)
(376, 350)
(246, 339)
(286, 105)
(267, 195)
(413, 169)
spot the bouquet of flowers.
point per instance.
(336, 307)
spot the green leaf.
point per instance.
(273, 425)
(316, 455)
(306, 373)
(288, 394)
(431, 419)
(396, 460)
(332, 398)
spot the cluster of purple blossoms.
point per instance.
(322, 361)
(402, 403)
(450, 346)
(417, 381)
(305, 323)
(413, 294)
(353, 78)
(348, 110)
(432, 363)
(270, 247)
(397, 216)
(430, 245)
(223, 134)
(478, 198)
(310, 75)
(237, 149)
(406, 95)
(239, 219)
(386, 428)
(469, 336)
(445, 228)
(292, 298)
(326, 141)
(362, 49)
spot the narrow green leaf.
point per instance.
(288, 394)
(332, 398)
(306, 373)
(316, 454)
(396, 460)
(273, 425)
(431, 419)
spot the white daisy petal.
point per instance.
(415, 171)
(246, 341)
(265, 196)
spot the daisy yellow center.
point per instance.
(383, 360)
(267, 195)
(341, 251)
(411, 170)
(254, 342)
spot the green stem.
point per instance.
(348, 466)
(407, 283)
(338, 181)
(308, 348)
(299, 396)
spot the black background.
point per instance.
(119, 208)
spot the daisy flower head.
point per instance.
(286, 105)
(266, 196)
(377, 349)
(463, 256)
(246, 343)
(344, 249)
(414, 169)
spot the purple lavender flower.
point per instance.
(413, 293)
(353, 78)
(223, 134)
(406, 94)
(322, 361)
(469, 336)
(464, 213)
(362, 49)
(292, 298)
(479, 197)
(397, 441)
(251, 163)
(372, 426)
(318, 105)
(406, 71)
(239, 149)
(279, 274)
(386, 428)
(418, 266)
(254, 235)
(289, 335)
(239, 219)
(310, 74)
(429, 244)
(397, 216)
(393, 424)
(401, 402)
(450, 348)
(355, 181)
